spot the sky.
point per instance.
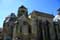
(9, 6)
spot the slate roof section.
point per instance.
(42, 13)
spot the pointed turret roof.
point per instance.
(22, 6)
(12, 15)
(58, 9)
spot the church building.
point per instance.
(34, 26)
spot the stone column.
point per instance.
(55, 28)
(58, 30)
(14, 32)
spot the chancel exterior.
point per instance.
(34, 26)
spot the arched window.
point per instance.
(47, 32)
(29, 29)
(20, 29)
(24, 22)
